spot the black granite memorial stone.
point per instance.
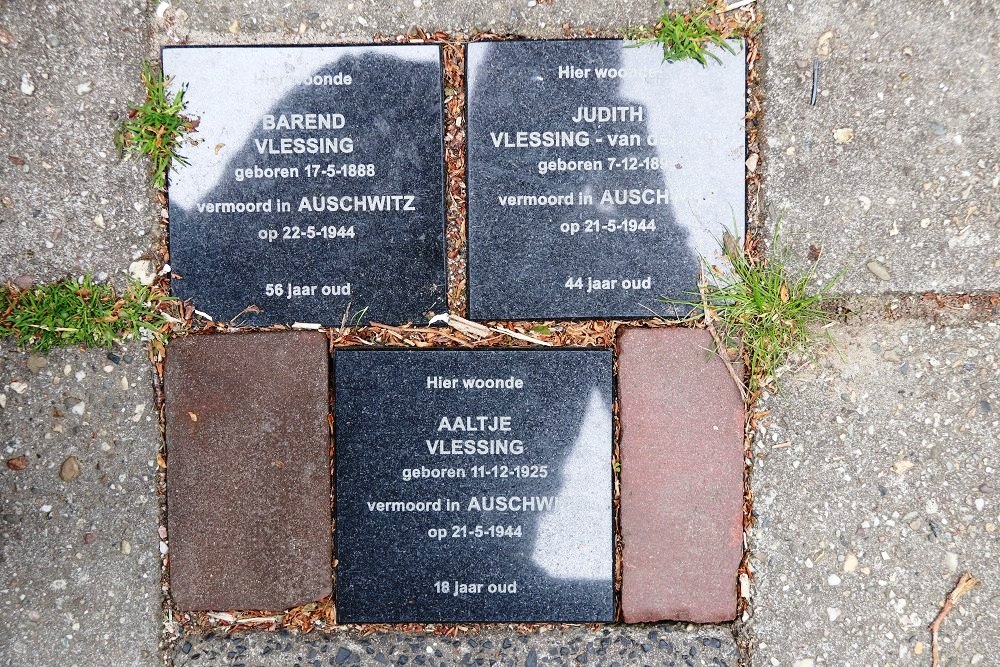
(315, 191)
(473, 486)
(598, 175)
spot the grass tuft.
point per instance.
(155, 128)
(686, 36)
(761, 308)
(81, 312)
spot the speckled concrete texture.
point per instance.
(875, 485)
(79, 549)
(68, 204)
(308, 21)
(691, 646)
(248, 483)
(894, 173)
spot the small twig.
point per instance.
(521, 336)
(965, 584)
(391, 330)
(719, 347)
(735, 5)
(343, 320)
(252, 308)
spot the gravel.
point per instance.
(875, 488)
(689, 645)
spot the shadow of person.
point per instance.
(555, 541)
(385, 254)
(522, 256)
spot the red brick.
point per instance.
(682, 477)
(248, 475)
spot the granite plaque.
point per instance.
(473, 486)
(315, 192)
(598, 175)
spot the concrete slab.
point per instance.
(894, 172)
(80, 559)
(498, 645)
(875, 488)
(67, 203)
(307, 21)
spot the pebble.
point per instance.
(833, 613)
(84, 88)
(79, 408)
(951, 561)
(833, 580)
(879, 270)
(24, 282)
(37, 362)
(143, 270)
(70, 469)
(125, 547)
(27, 87)
(18, 462)
(19, 387)
(850, 563)
(804, 662)
(843, 135)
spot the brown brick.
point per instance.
(248, 475)
(682, 478)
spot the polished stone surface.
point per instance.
(248, 482)
(338, 153)
(598, 176)
(436, 523)
(682, 477)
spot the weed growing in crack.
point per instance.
(155, 128)
(685, 36)
(81, 312)
(761, 308)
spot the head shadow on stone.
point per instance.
(394, 263)
(520, 256)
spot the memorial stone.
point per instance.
(474, 486)
(314, 192)
(598, 176)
